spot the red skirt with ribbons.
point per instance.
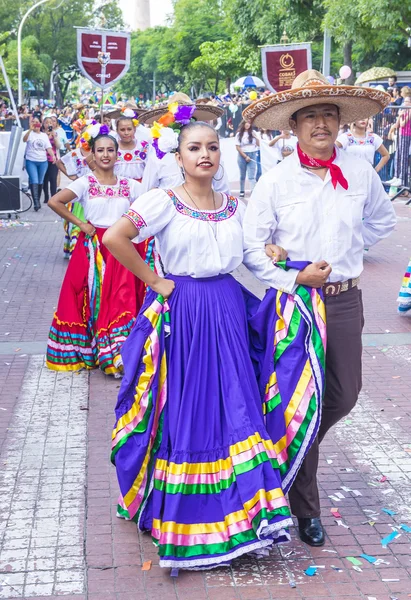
(98, 304)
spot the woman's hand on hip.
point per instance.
(88, 229)
(164, 287)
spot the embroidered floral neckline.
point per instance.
(226, 211)
(133, 155)
(121, 189)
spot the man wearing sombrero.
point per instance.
(322, 205)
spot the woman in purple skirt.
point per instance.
(195, 464)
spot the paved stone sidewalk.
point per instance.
(59, 532)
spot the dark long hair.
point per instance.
(241, 130)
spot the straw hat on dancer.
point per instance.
(203, 111)
(323, 206)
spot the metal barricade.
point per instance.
(393, 125)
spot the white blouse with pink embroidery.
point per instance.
(104, 204)
(190, 242)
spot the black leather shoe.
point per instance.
(311, 531)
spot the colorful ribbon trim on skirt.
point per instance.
(404, 296)
(146, 413)
(256, 515)
(71, 231)
(288, 335)
(78, 345)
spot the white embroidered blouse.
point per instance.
(104, 204)
(131, 163)
(190, 242)
(76, 163)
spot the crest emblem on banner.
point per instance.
(103, 56)
(282, 64)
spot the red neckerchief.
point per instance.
(335, 171)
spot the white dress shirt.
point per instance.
(191, 242)
(294, 208)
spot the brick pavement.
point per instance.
(94, 555)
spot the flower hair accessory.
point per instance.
(166, 130)
(130, 114)
(89, 135)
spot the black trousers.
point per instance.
(343, 381)
(50, 181)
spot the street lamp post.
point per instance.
(19, 66)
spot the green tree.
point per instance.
(223, 60)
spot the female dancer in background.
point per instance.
(99, 298)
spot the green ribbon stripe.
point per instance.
(171, 550)
(272, 404)
(291, 334)
(141, 427)
(68, 340)
(316, 338)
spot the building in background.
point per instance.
(141, 16)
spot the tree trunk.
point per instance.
(228, 84)
(348, 62)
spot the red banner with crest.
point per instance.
(282, 64)
(103, 56)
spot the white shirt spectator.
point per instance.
(37, 144)
(244, 142)
(293, 207)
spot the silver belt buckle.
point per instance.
(332, 289)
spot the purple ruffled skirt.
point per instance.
(195, 464)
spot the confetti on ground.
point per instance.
(330, 551)
(389, 538)
(311, 571)
(340, 495)
(336, 568)
(329, 461)
(334, 498)
(358, 569)
(346, 489)
(341, 523)
(354, 561)
(356, 493)
(387, 511)
(368, 558)
(383, 479)
(336, 513)
(147, 565)
(389, 580)
(405, 528)
(8, 223)
(389, 491)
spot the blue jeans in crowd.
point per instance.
(247, 168)
(36, 170)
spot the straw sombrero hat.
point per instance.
(205, 111)
(116, 113)
(309, 88)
